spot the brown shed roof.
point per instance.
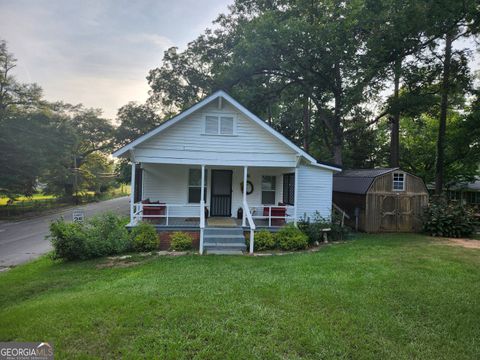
(357, 181)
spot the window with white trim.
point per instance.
(268, 190)
(219, 125)
(195, 186)
(398, 182)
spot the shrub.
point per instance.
(106, 234)
(264, 240)
(68, 240)
(180, 241)
(448, 219)
(314, 228)
(144, 237)
(102, 235)
(291, 238)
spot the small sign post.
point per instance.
(78, 216)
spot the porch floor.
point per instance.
(221, 222)
(176, 221)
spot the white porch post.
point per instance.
(202, 208)
(244, 216)
(295, 198)
(202, 190)
(132, 193)
(251, 241)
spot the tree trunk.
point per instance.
(306, 124)
(337, 151)
(337, 118)
(445, 87)
(395, 119)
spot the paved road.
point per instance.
(24, 240)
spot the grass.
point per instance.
(20, 199)
(40, 203)
(378, 296)
(121, 190)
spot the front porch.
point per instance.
(195, 197)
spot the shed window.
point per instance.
(398, 181)
(289, 189)
(195, 185)
(219, 125)
(268, 190)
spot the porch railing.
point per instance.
(258, 212)
(168, 212)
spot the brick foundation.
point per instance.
(164, 237)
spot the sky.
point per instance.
(99, 52)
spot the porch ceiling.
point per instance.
(210, 162)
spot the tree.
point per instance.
(88, 133)
(335, 56)
(13, 93)
(25, 140)
(96, 173)
(419, 137)
(134, 120)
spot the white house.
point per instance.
(188, 174)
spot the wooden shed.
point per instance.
(382, 199)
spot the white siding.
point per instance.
(314, 192)
(187, 143)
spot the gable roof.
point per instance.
(358, 181)
(472, 186)
(220, 93)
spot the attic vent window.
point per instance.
(398, 181)
(219, 125)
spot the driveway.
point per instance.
(21, 241)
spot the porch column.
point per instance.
(202, 190)
(295, 200)
(244, 216)
(202, 209)
(132, 192)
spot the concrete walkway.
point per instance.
(24, 240)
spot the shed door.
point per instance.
(397, 213)
(405, 214)
(388, 213)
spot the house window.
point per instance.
(473, 197)
(289, 189)
(219, 125)
(268, 190)
(398, 181)
(195, 186)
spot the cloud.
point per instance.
(160, 41)
(98, 52)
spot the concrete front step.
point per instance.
(223, 231)
(224, 240)
(225, 246)
(224, 252)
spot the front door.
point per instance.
(221, 198)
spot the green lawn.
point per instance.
(35, 197)
(381, 296)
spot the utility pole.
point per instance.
(75, 180)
